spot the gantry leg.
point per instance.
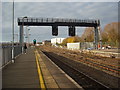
(96, 37)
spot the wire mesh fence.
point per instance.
(6, 50)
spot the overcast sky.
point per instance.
(107, 12)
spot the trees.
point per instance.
(110, 34)
(88, 34)
(71, 40)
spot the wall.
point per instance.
(79, 45)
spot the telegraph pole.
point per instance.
(13, 35)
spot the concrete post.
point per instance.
(96, 37)
(21, 37)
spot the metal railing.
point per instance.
(29, 19)
(6, 50)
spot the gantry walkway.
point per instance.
(35, 70)
(32, 21)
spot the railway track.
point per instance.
(102, 66)
(114, 70)
(82, 79)
(90, 60)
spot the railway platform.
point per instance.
(35, 70)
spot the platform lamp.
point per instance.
(23, 31)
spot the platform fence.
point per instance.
(6, 52)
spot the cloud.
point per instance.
(61, 0)
(106, 12)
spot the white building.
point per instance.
(73, 46)
(56, 40)
(80, 45)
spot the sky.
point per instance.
(107, 12)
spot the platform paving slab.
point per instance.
(22, 73)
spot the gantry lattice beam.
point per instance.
(57, 21)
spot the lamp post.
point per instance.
(16, 38)
(13, 35)
(23, 31)
(28, 37)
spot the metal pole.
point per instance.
(22, 35)
(17, 38)
(13, 35)
(100, 38)
(28, 37)
(22, 32)
(16, 35)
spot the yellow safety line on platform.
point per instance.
(42, 84)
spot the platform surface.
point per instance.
(24, 73)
